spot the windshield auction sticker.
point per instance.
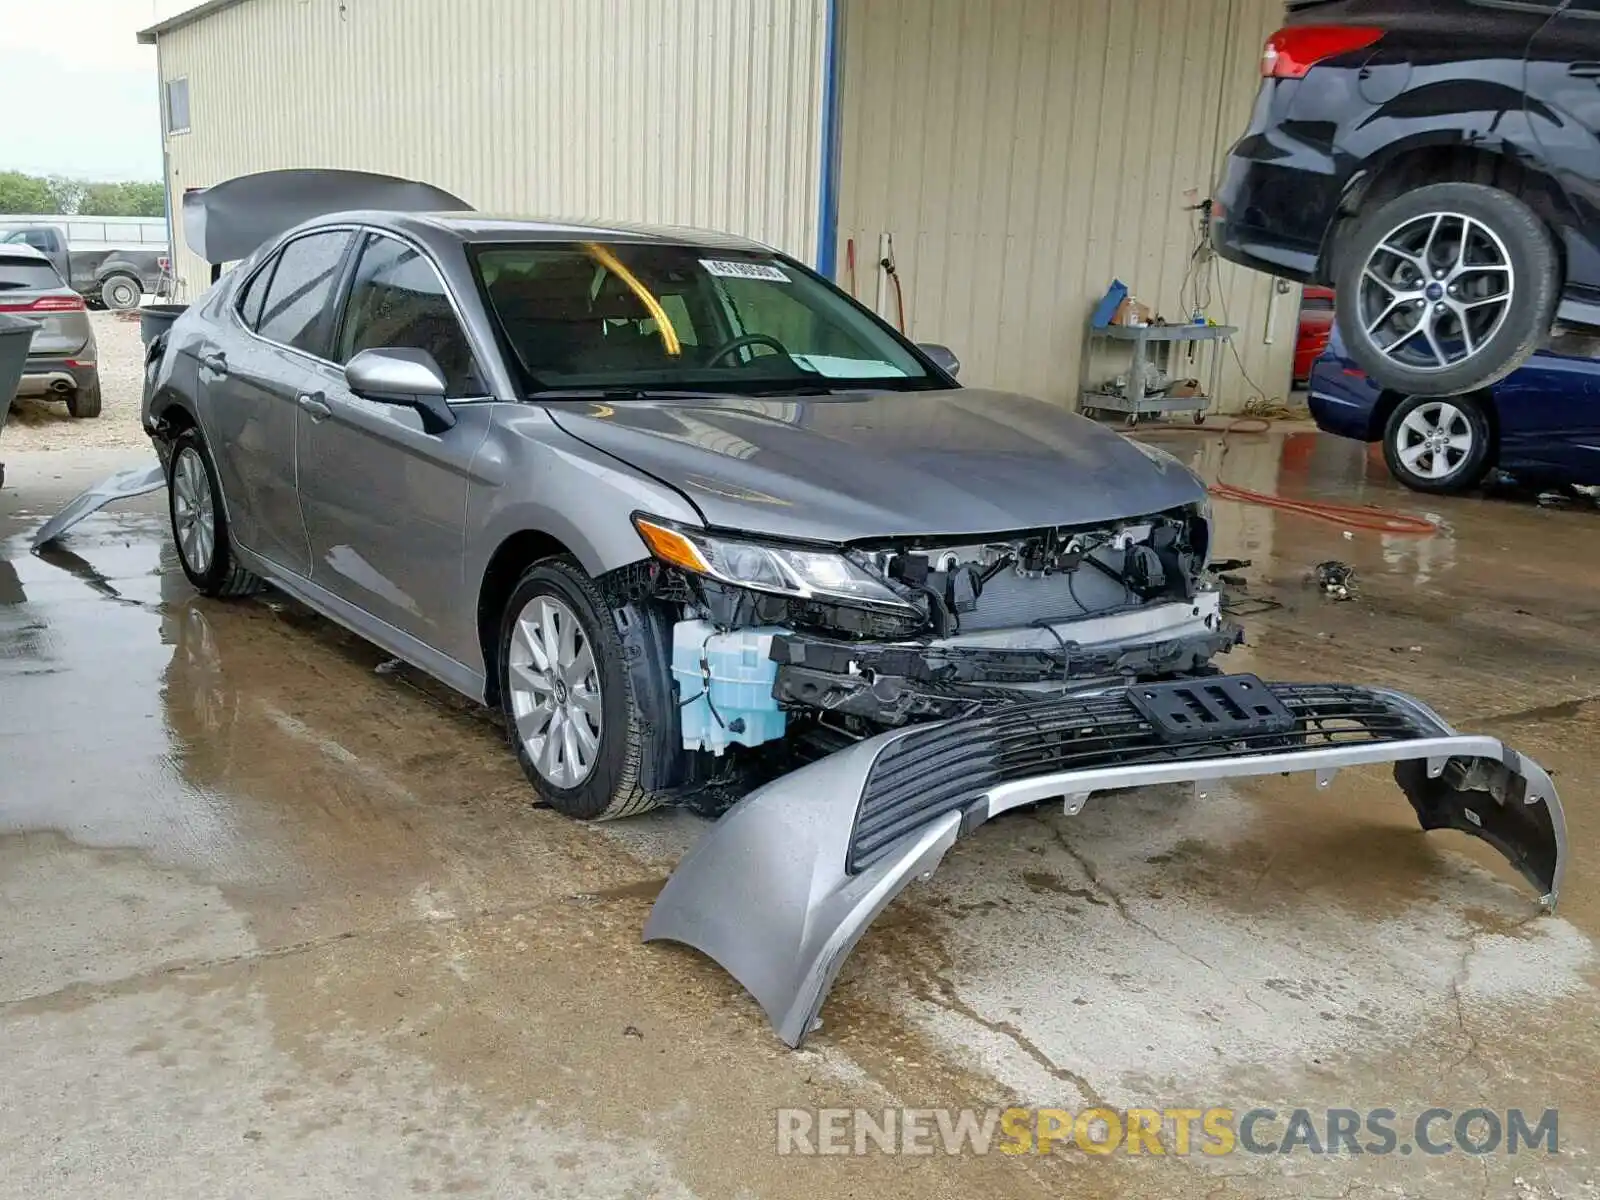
(745, 270)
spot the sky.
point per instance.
(82, 96)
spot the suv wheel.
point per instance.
(567, 696)
(199, 524)
(1446, 289)
(84, 401)
(1438, 444)
(120, 292)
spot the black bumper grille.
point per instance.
(946, 767)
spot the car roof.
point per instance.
(495, 227)
(22, 250)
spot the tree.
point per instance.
(21, 193)
(68, 193)
(122, 200)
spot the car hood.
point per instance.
(864, 465)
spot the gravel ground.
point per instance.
(37, 424)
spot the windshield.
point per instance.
(586, 316)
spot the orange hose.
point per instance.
(1348, 516)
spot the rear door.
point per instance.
(32, 289)
(385, 500)
(252, 373)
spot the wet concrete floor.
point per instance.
(280, 923)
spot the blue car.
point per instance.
(1541, 423)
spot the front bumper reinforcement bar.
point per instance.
(783, 886)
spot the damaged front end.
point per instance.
(782, 640)
(781, 889)
(920, 686)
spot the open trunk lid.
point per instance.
(230, 220)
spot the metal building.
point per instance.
(1020, 154)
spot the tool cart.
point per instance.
(1152, 346)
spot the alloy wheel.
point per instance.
(1434, 440)
(555, 692)
(1435, 290)
(194, 516)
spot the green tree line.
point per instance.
(20, 193)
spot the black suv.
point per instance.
(1438, 163)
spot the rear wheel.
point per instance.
(1438, 444)
(84, 401)
(120, 292)
(568, 699)
(1446, 289)
(199, 524)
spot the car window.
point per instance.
(295, 309)
(39, 239)
(31, 273)
(398, 300)
(589, 315)
(253, 293)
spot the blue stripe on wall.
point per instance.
(828, 205)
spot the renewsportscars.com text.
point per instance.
(1165, 1131)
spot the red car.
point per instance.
(1316, 322)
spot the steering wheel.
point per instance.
(743, 340)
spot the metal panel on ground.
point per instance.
(1023, 153)
(697, 112)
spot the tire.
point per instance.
(121, 293)
(191, 484)
(602, 781)
(1418, 346)
(84, 402)
(1450, 467)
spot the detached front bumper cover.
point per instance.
(784, 885)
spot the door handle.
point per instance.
(315, 404)
(1585, 70)
(215, 362)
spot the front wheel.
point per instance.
(567, 696)
(1446, 289)
(1436, 444)
(199, 524)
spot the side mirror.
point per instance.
(943, 357)
(403, 376)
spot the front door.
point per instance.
(252, 375)
(384, 499)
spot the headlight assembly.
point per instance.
(803, 573)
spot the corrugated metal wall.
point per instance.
(1023, 153)
(698, 112)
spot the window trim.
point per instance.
(347, 288)
(486, 361)
(341, 299)
(263, 270)
(167, 85)
(340, 281)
